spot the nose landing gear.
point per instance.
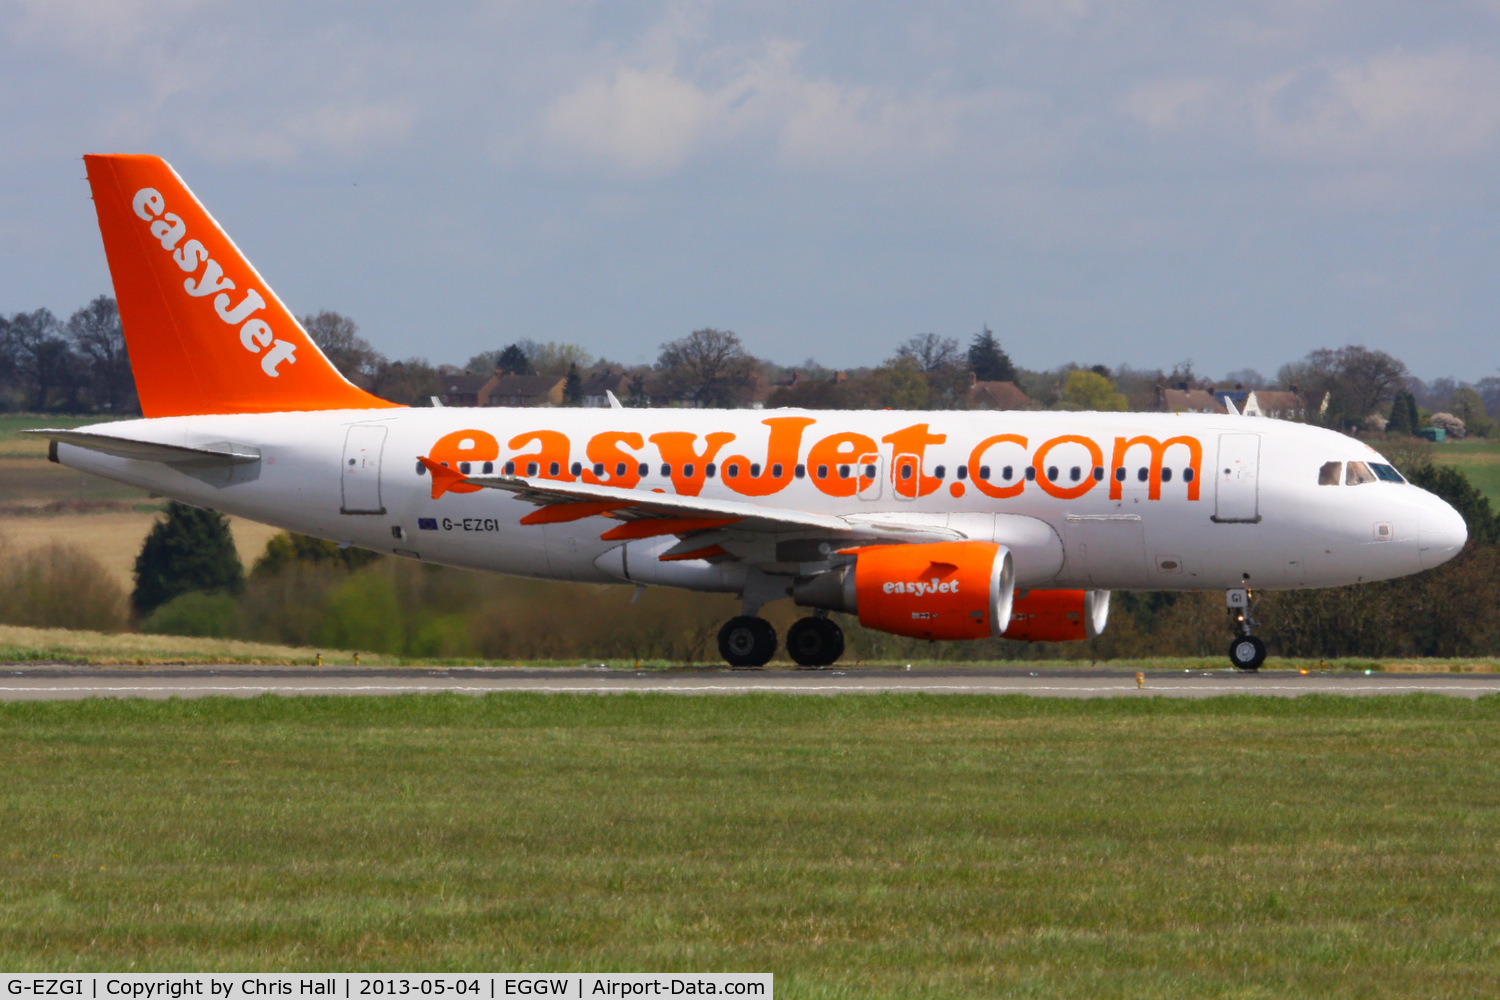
(1246, 652)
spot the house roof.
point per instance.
(998, 396)
(1189, 401)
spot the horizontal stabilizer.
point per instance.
(218, 453)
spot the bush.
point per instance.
(197, 613)
(60, 586)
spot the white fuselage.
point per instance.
(1206, 502)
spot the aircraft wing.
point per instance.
(218, 453)
(734, 526)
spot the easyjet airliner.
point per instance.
(940, 525)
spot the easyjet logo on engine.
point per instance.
(920, 588)
(191, 256)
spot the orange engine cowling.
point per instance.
(1058, 615)
(935, 590)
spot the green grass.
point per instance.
(1477, 458)
(883, 846)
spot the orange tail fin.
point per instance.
(205, 333)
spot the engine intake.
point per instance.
(936, 590)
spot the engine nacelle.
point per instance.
(1058, 615)
(935, 590)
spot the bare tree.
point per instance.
(931, 352)
(39, 357)
(338, 338)
(707, 367)
(98, 339)
(1359, 381)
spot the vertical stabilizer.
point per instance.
(204, 331)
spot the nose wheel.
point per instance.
(1246, 652)
(747, 641)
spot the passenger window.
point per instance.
(489, 467)
(799, 471)
(510, 468)
(708, 470)
(963, 472)
(843, 472)
(463, 467)
(776, 471)
(1166, 474)
(869, 472)
(1187, 474)
(1329, 474)
(620, 469)
(666, 470)
(1358, 474)
(941, 472)
(822, 472)
(643, 470)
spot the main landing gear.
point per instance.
(750, 641)
(815, 641)
(747, 641)
(1246, 652)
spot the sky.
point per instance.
(1120, 182)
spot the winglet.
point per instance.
(443, 478)
(205, 332)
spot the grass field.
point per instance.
(888, 846)
(1478, 459)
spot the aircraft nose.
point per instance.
(1441, 533)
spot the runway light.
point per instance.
(1303, 671)
(1140, 681)
(319, 660)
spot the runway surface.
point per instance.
(30, 682)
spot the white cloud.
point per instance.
(341, 128)
(645, 121)
(99, 26)
(1397, 105)
(1165, 106)
(649, 122)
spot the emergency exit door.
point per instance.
(361, 473)
(1237, 497)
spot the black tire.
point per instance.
(747, 641)
(1247, 652)
(815, 642)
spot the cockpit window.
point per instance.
(1386, 472)
(1358, 474)
(1330, 473)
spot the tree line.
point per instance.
(80, 365)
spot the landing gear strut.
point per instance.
(815, 641)
(1246, 652)
(747, 641)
